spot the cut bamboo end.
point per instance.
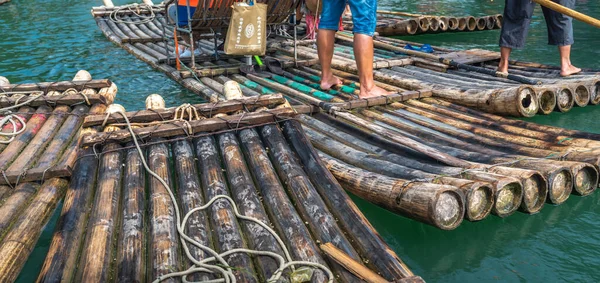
(595, 93)
(423, 24)
(498, 22)
(462, 24)
(508, 199)
(448, 210)
(412, 26)
(490, 22)
(481, 23)
(547, 101)
(586, 180)
(527, 102)
(434, 25)
(471, 23)
(109, 93)
(452, 23)
(582, 95)
(479, 204)
(535, 192)
(564, 100)
(560, 187)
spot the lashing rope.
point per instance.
(209, 265)
(137, 10)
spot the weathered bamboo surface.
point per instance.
(37, 163)
(131, 232)
(394, 24)
(394, 70)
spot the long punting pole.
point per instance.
(569, 12)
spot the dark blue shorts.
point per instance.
(517, 16)
(364, 15)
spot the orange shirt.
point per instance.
(193, 3)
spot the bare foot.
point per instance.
(569, 70)
(327, 83)
(373, 92)
(503, 67)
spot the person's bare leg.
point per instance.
(566, 68)
(325, 43)
(363, 53)
(504, 56)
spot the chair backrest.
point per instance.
(217, 13)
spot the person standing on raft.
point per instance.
(364, 17)
(517, 16)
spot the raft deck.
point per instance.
(125, 222)
(35, 167)
(545, 93)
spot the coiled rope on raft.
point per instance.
(12, 118)
(208, 265)
(137, 10)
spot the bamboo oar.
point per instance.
(569, 12)
(443, 60)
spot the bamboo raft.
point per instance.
(543, 93)
(118, 222)
(36, 165)
(397, 24)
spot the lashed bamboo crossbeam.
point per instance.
(379, 255)
(230, 106)
(310, 206)
(277, 203)
(178, 128)
(56, 86)
(18, 244)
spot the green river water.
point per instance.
(49, 40)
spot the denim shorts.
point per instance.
(364, 15)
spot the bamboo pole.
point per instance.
(437, 205)
(10, 151)
(245, 194)
(25, 232)
(569, 12)
(310, 206)
(131, 248)
(352, 265)
(97, 253)
(227, 231)
(281, 211)
(163, 255)
(368, 244)
(14, 205)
